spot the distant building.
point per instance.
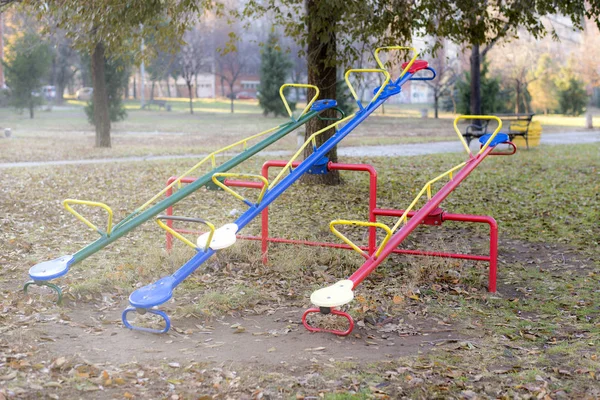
(2, 83)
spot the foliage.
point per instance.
(274, 69)
(493, 99)
(117, 70)
(27, 63)
(544, 92)
(572, 97)
(121, 26)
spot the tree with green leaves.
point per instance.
(493, 99)
(572, 97)
(274, 69)
(112, 27)
(27, 62)
(332, 32)
(117, 71)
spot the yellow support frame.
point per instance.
(234, 175)
(66, 203)
(366, 70)
(183, 239)
(298, 85)
(243, 142)
(427, 187)
(390, 48)
(340, 235)
(462, 139)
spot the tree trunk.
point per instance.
(436, 104)
(101, 116)
(518, 95)
(168, 87)
(475, 81)
(134, 88)
(189, 85)
(323, 76)
(31, 107)
(231, 95)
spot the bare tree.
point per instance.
(515, 62)
(232, 64)
(446, 66)
(190, 60)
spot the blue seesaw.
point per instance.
(146, 299)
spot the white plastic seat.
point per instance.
(222, 238)
(335, 295)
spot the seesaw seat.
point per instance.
(222, 238)
(335, 295)
(52, 269)
(154, 294)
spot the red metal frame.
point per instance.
(433, 216)
(331, 311)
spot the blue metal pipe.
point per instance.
(190, 266)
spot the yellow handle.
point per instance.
(337, 233)
(312, 139)
(360, 71)
(299, 85)
(462, 139)
(67, 202)
(183, 239)
(389, 48)
(233, 192)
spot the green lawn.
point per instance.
(64, 133)
(538, 336)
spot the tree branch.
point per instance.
(495, 40)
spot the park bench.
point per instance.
(159, 103)
(515, 125)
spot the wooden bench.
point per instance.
(159, 103)
(514, 125)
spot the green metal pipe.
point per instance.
(133, 222)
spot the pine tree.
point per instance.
(274, 69)
(28, 61)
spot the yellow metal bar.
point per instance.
(462, 139)
(426, 188)
(360, 71)
(340, 235)
(233, 192)
(211, 157)
(298, 85)
(389, 48)
(312, 137)
(67, 202)
(179, 236)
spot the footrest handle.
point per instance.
(48, 284)
(331, 311)
(155, 311)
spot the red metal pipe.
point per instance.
(331, 166)
(359, 275)
(493, 257)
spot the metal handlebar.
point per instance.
(159, 219)
(299, 85)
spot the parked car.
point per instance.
(84, 93)
(245, 96)
(49, 92)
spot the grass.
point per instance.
(538, 336)
(65, 134)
